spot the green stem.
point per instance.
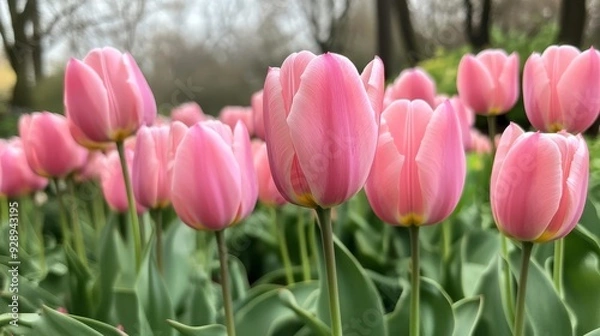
(559, 254)
(509, 290)
(324, 216)
(283, 248)
(491, 119)
(227, 303)
(304, 259)
(520, 316)
(415, 281)
(38, 227)
(157, 216)
(4, 201)
(99, 210)
(77, 233)
(446, 240)
(312, 242)
(64, 226)
(137, 240)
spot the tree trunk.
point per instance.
(36, 42)
(384, 38)
(21, 94)
(407, 32)
(572, 22)
(479, 34)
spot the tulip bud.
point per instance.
(267, 191)
(16, 177)
(411, 84)
(188, 113)
(113, 183)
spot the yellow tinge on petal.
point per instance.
(307, 200)
(411, 219)
(556, 127)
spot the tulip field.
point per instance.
(338, 202)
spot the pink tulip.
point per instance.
(489, 82)
(479, 143)
(561, 89)
(258, 114)
(188, 113)
(321, 123)
(113, 184)
(412, 83)
(539, 184)
(267, 191)
(49, 147)
(466, 119)
(420, 168)
(214, 182)
(230, 115)
(106, 97)
(16, 177)
(93, 167)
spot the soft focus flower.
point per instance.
(419, 170)
(188, 113)
(267, 191)
(106, 97)
(49, 147)
(479, 143)
(113, 184)
(230, 115)
(93, 167)
(411, 84)
(489, 82)
(561, 89)
(214, 182)
(539, 184)
(258, 114)
(16, 177)
(466, 119)
(321, 124)
(152, 164)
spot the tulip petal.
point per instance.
(140, 85)
(243, 154)
(441, 164)
(291, 70)
(474, 83)
(383, 185)
(334, 129)
(537, 93)
(206, 186)
(373, 77)
(287, 174)
(509, 136)
(86, 101)
(528, 189)
(508, 81)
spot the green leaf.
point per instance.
(361, 307)
(239, 279)
(467, 313)
(202, 303)
(260, 315)
(591, 215)
(437, 317)
(546, 313)
(493, 319)
(178, 262)
(581, 274)
(52, 323)
(593, 333)
(477, 249)
(207, 330)
(130, 312)
(79, 284)
(311, 320)
(101, 327)
(108, 270)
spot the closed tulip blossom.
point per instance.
(411, 84)
(561, 89)
(419, 169)
(48, 145)
(113, 183)
(188, 113)
(214, 182)
(106, 97)
(258, 115)
(539, 184)
(267, 191)
(466, 119)
(489, 82)
(93, 167)
(16, 177)
(321, 123)
(230, 115)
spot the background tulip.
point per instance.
(230, 115)
(489, 82)
(267, 191)
(49, 147)
(113, 184)
(321, 122)
(466, 119)
(561, 89)
(150, 179)
(258, 114)
(92, 168)
(411, 84)
(106, 97)
(16, 177)
(539, 184)
(214, 182)
(188, 113)
(419, 169)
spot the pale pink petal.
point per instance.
(258, 114)
(411, 84)
(243, 154)
(475, 84)
(509, 136)
(538, 93)
(441, 165)
(291, 70)
(188, 113)
(508, 82)
(373, 77)
(333, 128)
(139, 83)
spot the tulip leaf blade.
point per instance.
(467, 313)
(205, 330)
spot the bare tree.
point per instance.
(407, 32)
(573, 16)
(326, 18)
(478, 33)
(384, 34)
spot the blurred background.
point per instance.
(217, 52)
